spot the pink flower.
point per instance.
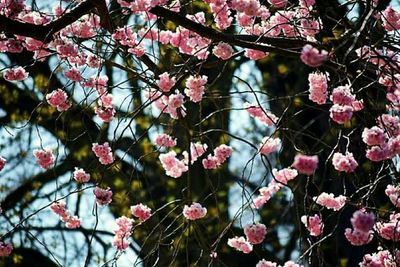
(210, 163)
(393, 192)
(103, 152)
(318, 87)
(106, 114)
(278, 3)
(73, 74)
(344, 163)
(122, 232)
(165, 140)
(103, 196)
(381, 259)
(305, 164)
(141, 211)
(195, 87)
(341, 114)
(314, 224)
(221, 154)
(81, 176)
(378, 153)
(255, 233)
(329, 201)
(59, 208)
(264, 263)
(284, 175)
(223, 51)
(342, 95)
(173, 166)
(194, 211)
(16, 74)
(3, 162)
(391, 229)
(269, 145)
(44, 158)
(391, 19)
(374, 136)
(73, 222)
(264, 116)
(5, 249)
(312, 57)
(357, 237)
(197, 150)
(240, 244)
(58, 99)
(166, 83)
(362, 220)
(255, 54)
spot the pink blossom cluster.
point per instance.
(197, 150)
(265, 263)
(391, 19)
(266, 193)
(305, 164)
(3, 162)
(103, 152)
(141, 5)
(390, 230)
(166, 82)
(260, 114)
(105, 109)
(240, 244)
(58, 99)
(269, 145)
(318, 87)
(312, 57)
(103, 196)
(194, 212)
(44, 158)
(86, 27)
(122, 232)
(255, 233)
(285, 175)
(59, 208)
(221, 154)
(5, 249)
(165, 140)
(125, 36)
(329, 201)
(382, 258)
(393, 192)
(362, 223)
(344, 104)
(250, 8)
(172, 165)
(73, 74)
(81, 176)
(278, 3)
(16, 74)
(313, 224)
(141, 211)
(344, 163)
(172, 104)
(223, 50)
(195, 87)
(255, 54)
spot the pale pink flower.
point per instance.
(344, 163)
(341, 114)
(58, 99)
(141, 211)
(318, 87)
(240, 244)
(269, 145)
(390, 230)
(264, 263)
(165, 140)
(223, 51)
(312, 56)
(284, 175)
(329, 201)
(103, 152)
(194, 211)
(81, 176)
(44, 158)
(173, 167)
(374, 136)
(15, 74)
(393, 192)
(314, 224)
(103, 196)
(122, 232)
(305, 164)
(73, 74)
(166, 83)
(255, 233)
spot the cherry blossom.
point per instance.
(269, 145)
(44, 158)
(103, 196)
(5, 249)
(81, 176)
(312, 56)
(305, 164)
(15, 74)
(122, 232)
(140, 211)
(3, 162)
(329, 201)
(103, 152)
(255, 233)
(314, 224)
(318, 87)
(344, 163)
(194, 212)
(240, 244)
(393, 192)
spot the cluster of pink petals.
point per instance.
(103, 196)
(391, 229)
(329, 201)
(266, 193)
(382, 258)
(194, 212)
(195, 87)
(122, 232)
(3, 162)
(166, 82)
(250, 8)
(221, 154)
(318, 87)
(165, 140)
(260, 114)
(255, 233)
(240, 244)
(314, 224)
(393, 192)
(126, 36)
(223, 51)
(172, 104)
(278, 3)
(81, 176)
(345, 104)
(374, 136)
(312, 56)
(269, 145)
(173, 167)
(15, 74)
(264, 263)
(391, 19)
(305, 164)
(197, 150)
(44, 158)
(344, 163)
(59, 208)
(255, 54)
(140, 211)
(362, 223)
(73, 74)
(58, 99)
(5, 249)
(105, 109)
(103, 152)
(285, 175)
